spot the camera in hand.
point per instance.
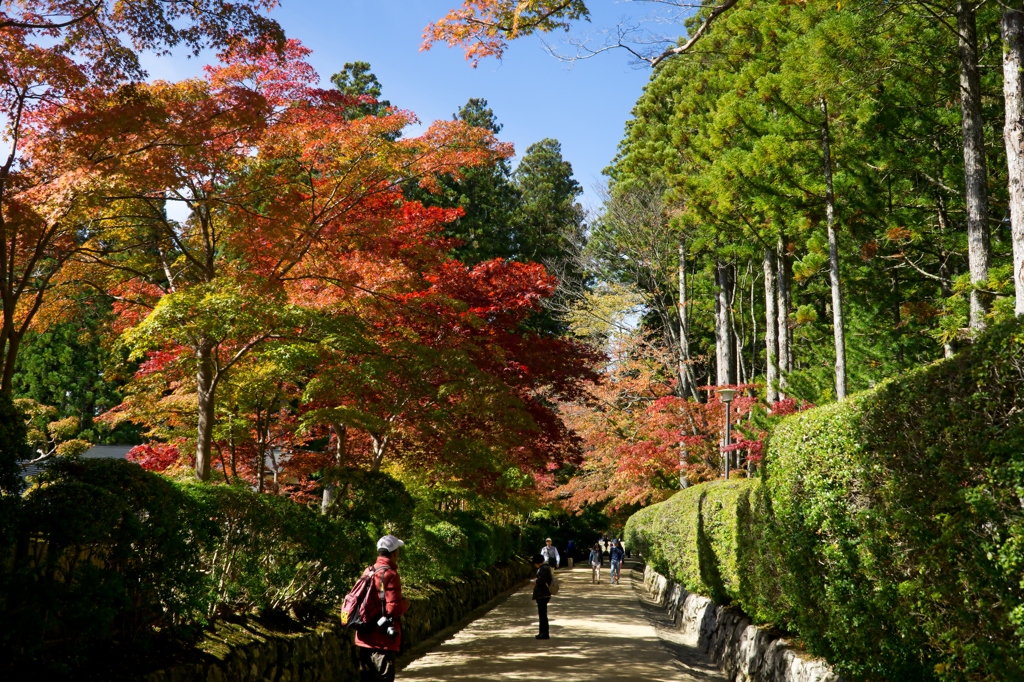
(388, 623)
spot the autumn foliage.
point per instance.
(640, 439)
(483, 27)
(68, 110)
(304, 316)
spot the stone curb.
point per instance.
(745, 652)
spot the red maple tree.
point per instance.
(641, 441)
(290, 207)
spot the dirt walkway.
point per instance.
(598, 632)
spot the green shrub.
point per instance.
(102, 551)
(270, 554)
(439, 551)
(13, 446)
(443, 545)
(825, 527)
(912, 496)
(371, 504)
(106, 550)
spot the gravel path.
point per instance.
(598, 632)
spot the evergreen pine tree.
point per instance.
(357, 80)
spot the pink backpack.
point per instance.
(360, 611)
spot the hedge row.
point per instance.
(888, 532)
(692, 537)
(102, 553)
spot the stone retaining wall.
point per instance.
(254, 650)
(745, 652)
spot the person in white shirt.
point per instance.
(550, 554)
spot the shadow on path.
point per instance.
(598, 632)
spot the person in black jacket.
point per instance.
(542, 593)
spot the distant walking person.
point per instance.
(550, 554)
(570, 549)
(542, 593)
(617, 555)
(377, 647)
(595, 563)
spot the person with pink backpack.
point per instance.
(373, 609)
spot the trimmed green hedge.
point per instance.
(692, 537)
(888, 533)
(832, 539)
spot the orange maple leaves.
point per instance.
(484, 27)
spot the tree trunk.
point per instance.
(224, 465)
(261, 468)
(739, 331)
(684, 459)
(206, 383)
(771, 334)
(753, 323)
(945, 281)
(833, 258)
(687, 383)
(975, 174)
(723, 327)
(10, 360)
(331, 489)
(379, 446)
(1013, 137)
(784, 303)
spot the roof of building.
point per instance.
(108, 452)
(95, 452)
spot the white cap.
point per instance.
(390, 543)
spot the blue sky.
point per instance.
(532, 94)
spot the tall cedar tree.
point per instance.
(549, 220)
(488, 198)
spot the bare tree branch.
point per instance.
(685, 47)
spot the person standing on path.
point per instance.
(377, 647)
(617, 555)
(595, 563)
(542, 593)
(550, 553)
(570, 549)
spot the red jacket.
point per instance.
(394, 606)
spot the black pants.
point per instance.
(542, 611)
(376, 665)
